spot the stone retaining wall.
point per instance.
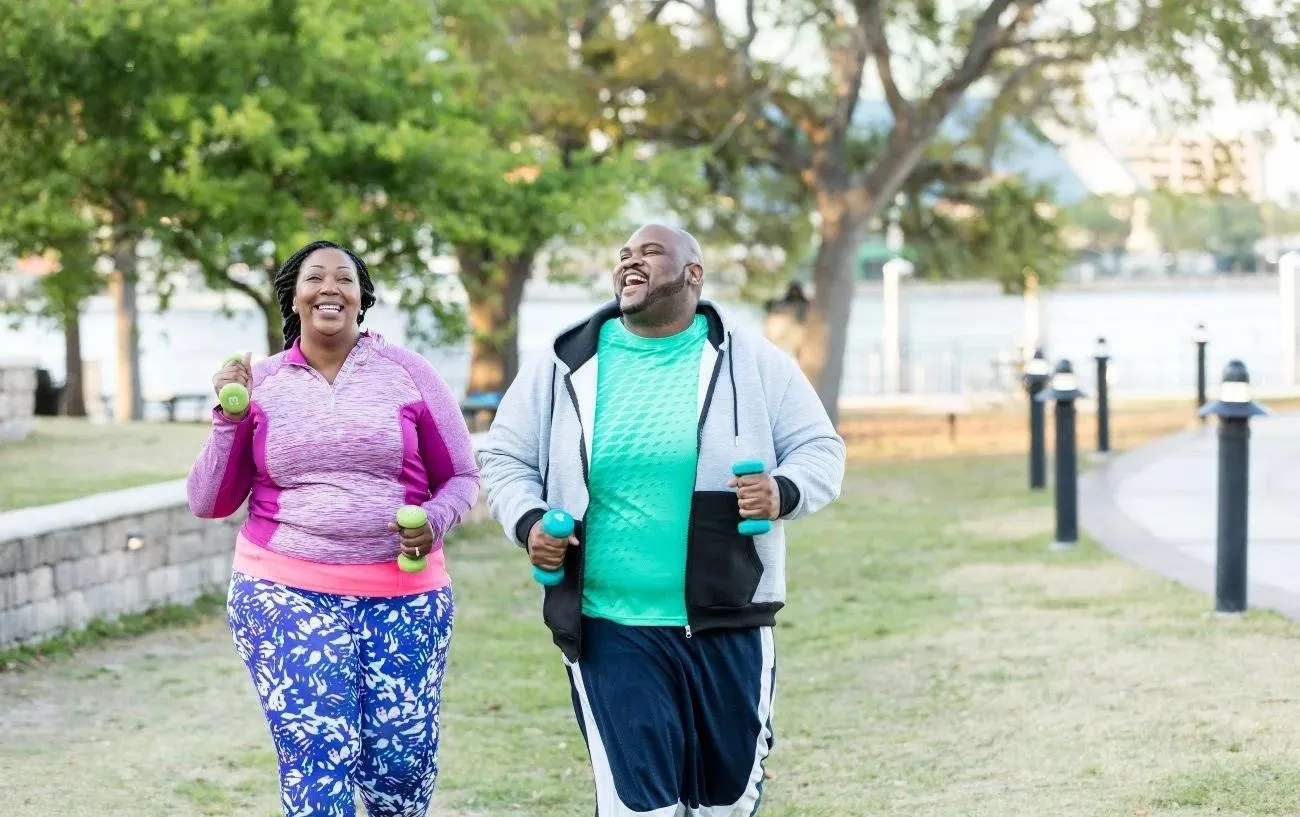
(99, 557)
(17, 400)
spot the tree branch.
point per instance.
(871, 21)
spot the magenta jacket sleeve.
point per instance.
(447, 451)
(222, 476)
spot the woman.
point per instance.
(346, 650)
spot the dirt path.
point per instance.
(165, 725)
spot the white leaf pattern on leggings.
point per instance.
(351, 688)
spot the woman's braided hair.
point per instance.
(286, 282)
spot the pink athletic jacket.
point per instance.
(325, 468)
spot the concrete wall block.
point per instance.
(153, 554)
(180, 520)
(219, 570)
(76, 610)
(89, 540)
(111, 566)
(115, 533)
(156, 528)
(79, 573)
(16, 624)
(220, 536)
(68, 576)
(11, 556)
(161, 583)
(129, 594)
(44, 550)
(184, 548)
(185, 595)
(47, 618)
(9, 592)
(40, 584)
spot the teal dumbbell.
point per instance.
(751, 527)
(233, 396)
(556, 524)
(411, 516)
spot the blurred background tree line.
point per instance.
(142, 140)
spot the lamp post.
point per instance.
(1201, 336)
(1234, 408)
(1102, 356)
(1064, 389)
(1035, 377)
(891, 290)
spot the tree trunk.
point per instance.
(274, 328)
(129, 398)
(74, 394)
(827, 330)
(271, 310)
(495, 290)
(268, 305)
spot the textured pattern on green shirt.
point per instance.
(642, 475)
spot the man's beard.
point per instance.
(660, 293)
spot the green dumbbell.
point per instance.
(751, 527)
(233, 396)
(411, 516)
(558, 525)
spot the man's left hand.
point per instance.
(759, 496)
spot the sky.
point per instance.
(1116, 121)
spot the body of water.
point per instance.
(957, 339)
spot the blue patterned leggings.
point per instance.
(351, 687)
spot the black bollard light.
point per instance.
(1234, 408)
(1201, 337)
(1036, 375)
(1102, 356)
(1064, 389)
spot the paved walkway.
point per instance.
(1157, 506)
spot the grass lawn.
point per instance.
(66, 459)
(935, 659)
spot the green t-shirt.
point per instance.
(642, 475)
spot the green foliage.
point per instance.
(334, 122)
(997, 230)
(1100, 222)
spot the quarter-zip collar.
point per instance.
(364, 349)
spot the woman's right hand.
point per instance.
(235, 371)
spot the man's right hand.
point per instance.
(235, 371)
(547, 552)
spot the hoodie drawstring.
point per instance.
(735, 402)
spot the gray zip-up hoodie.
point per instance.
(754, 403)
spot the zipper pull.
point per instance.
(688, 631)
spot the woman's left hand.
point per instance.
(416, 542)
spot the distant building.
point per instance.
(1201, 165)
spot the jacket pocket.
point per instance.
(562, 603)
(723, 568)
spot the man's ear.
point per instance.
(695, 274)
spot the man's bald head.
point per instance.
(682, 244)
(658, 277)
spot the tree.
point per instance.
(1019, 48)
(1102, 222)
(42, 220)
(336, 122)
(555, 165)
(85, 88)
(996, 229)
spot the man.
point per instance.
(665, 612)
